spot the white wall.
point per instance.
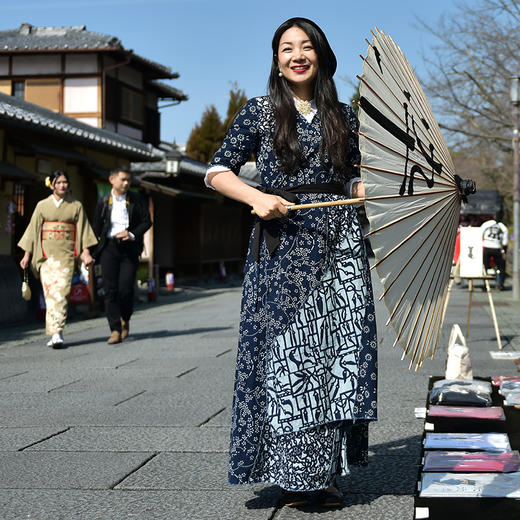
(81, 63)
(39, 64)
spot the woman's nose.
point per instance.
(299, 55)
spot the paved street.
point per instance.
(140, 430)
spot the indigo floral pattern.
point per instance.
(306, 374)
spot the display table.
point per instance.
(471, 507)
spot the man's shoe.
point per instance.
(56, 342)
(125, 329)
(114, 338)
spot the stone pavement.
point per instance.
(140, 430)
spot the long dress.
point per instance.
(306, 375)
(55, 236)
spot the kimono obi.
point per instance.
(56, 230)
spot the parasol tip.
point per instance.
(466, 187)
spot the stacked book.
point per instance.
(509, 388)
(470, 465)
(467, 452)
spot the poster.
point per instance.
(471, 259)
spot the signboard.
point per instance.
(471, 261)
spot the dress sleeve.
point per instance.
(85, 237)
(31, 236)
(240, 141)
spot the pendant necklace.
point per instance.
(304, 107)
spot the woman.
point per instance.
(306, 368)
(57, 231)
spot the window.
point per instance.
(45, 92)
(18, 192)
(19, 89)
(5, 86)
(131, 105)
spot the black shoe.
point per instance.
(330, 498)
(295, 498)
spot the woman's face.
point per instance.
(60, 186)
(297, 59)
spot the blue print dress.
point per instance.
(306, 374)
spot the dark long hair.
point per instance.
(334, 130)
(55, 175)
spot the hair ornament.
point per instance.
(48, 182)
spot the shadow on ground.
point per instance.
(392, 470)
(138, 336)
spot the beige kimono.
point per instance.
(55, 237)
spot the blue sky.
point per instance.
(212, 43)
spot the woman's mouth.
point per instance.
(300, 69)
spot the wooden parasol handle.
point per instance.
(343, 202)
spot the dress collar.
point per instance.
(57, 202)
(313, 109)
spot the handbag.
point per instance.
(26, 290)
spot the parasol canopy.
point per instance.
(412, 196)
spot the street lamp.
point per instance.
(173, 161)
(515, 100)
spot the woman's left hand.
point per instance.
(87, 258)
(358, 190)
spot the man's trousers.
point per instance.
(119, 261)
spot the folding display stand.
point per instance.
(470, 263)
(470, 280)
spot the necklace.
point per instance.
(304, 107)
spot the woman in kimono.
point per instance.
(305, 386)
(58, 230)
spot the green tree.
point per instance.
(206, 136)
(237, 97)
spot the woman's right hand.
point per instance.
(24, 262)
(268, 207)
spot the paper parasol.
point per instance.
(412, 196)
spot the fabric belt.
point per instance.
(270, 229)
(57, 230)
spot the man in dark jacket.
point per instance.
(120, 221)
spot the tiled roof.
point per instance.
(73, 38)
(248, 173)
(167, 91)
(18, 112)
(30, 37)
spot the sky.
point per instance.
(213, 43)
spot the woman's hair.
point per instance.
(53, 177)
(334, 129)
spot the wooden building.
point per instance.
(88, 76)
(77, 100)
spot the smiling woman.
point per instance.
(298, 62)
(306, 368)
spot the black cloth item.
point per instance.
(460, 393)
(270, 229)
(138, 221)
(119, 261)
